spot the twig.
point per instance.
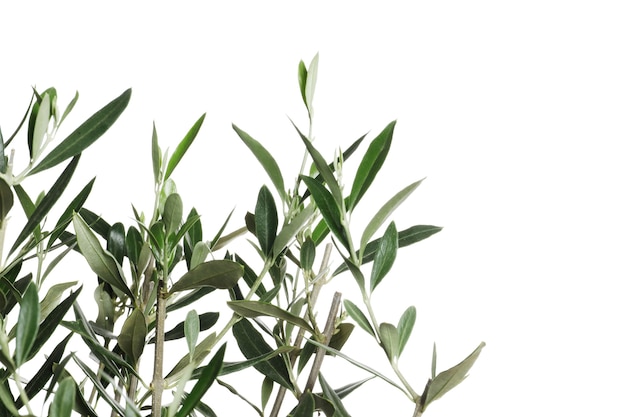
(157, 378)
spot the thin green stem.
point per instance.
(23, 395)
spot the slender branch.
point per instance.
(157, 379)
(280, 397)
(328, 333)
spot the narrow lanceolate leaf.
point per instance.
(6, 398)
(192, 329)
(207, 377)
(156, 155)
(302, 73)
(205, 322)
(305, 407)
(290, 230)
(323, 168)
(132, 338)
(307, 254)
(370, 164)
(75, 205)
(220, 273)
(433, 362)
(64, 398)
(384, 213)
(44, 206)
(328, 208)
(385, 255)
(250, 308)
(100, 261)
(405, 327)
(41, 126)
(449, 379)
(333, 397)
(267, 161)
(390, 340)
(252, 344)
(6, 199)
(266, 220)
(182, 147)
(85, 134)
(27, 324)
(358, 316)
(232, 367)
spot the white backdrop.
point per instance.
(515, 111)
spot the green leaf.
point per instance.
(323, 168)
(6, 398)
(390, 340)
(331, 395)
(200, 352)
(358, 316)
(156, 155)
(311, 81)
(307, 254)
(290, 230)
(384, 212)
(232, 367)
(46, 203)
(134, 244)
(182, 147)
(42, 121)
(43, 375)
(64, 398)
(66, 217)
(370, 164)
(116, 242)
(173, 213)
(251, 308)
(208, 376)
(192, 329)
(69, 108)
(302, 74)
(305, 407)
(405, 327)
(450, 378)
(51, 300)
(252, 344)
(385, 255)
(341, 335)
(132, 338)
(267, 161)
(266, 220)
(27, 324)
(85, 134)
(222, 274)
(328, 208)
(99, 386)
(206, 321)
(6, 199)
(100, 261)
(266, 391)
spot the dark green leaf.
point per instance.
(64, 398)
(305, 407)
(27, 324)
(390, 339)
(156, 155)
(100, 261)
(358, 316)
(41, 119)
(232, 367)
(323, 168)
(208, 375)
(134, 244)
(267, 161)
(69, 108)
(190, 297)
(207, 320)
(266, 391)
(341, 335)
(405, 327)
(250, 277)
(450, 378)
(97, 383)
(66, 217)
(222, 274)
(116, 242)
(266, 220)
(331, 395)
(182, 147)
(370, 164)
(328, 208)
(302, 73)
(6, 199)
(307, 254)
(290, 230)
(46, 203)
(85, 134)
(251, 309)
(252, 345)
(385, 255)
(132, 338)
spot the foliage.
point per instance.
(162, 263)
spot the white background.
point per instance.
(515, 111)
